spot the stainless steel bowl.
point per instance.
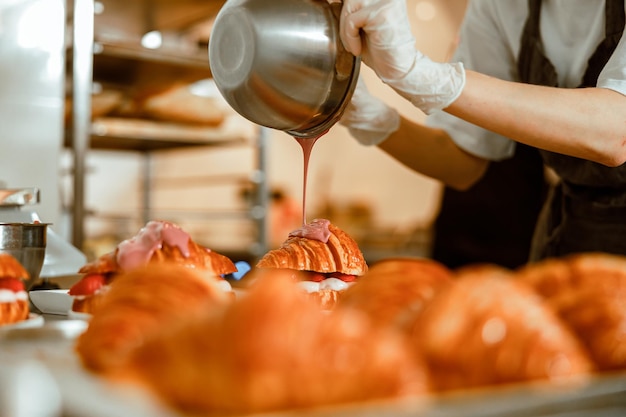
(27, 243)
(281, 63)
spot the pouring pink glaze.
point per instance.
(138, 250)
(316, 230)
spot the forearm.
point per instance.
(588, 123)
(431, 152)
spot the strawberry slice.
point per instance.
(315, 276)
(88, 285)
(12, 284)
(343, 277)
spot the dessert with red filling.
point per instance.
(331, 259)
(13, 296)
(156, 242)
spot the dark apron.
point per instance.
(493, 221)
(586, 210)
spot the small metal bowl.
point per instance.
(281, 63)
(27, 243)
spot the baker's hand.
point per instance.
(380, 32)
(368, 119)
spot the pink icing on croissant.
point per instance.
(138, 250)
(316, 230)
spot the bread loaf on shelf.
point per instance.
(179, 104)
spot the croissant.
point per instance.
(274, 349)
(588, 291)
(394, 291)
(486, 328)
(157, 243)
(329, 255)
(13, 297)
(143, 301)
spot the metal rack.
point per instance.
(126, 62)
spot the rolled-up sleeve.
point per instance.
(613, 75)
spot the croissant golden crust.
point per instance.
(507, 333)
(588, 292)
(394, 291)
(234, 362)
(340, 254)
(104, 264)
(199, 257)
(87, 304)
(143, 301)
(13, 312)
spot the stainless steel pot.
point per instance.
(27, 243)
(281, 63)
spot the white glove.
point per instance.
(368, 119)
(388, 47)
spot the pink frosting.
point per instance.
(138, 250)
(316, 230)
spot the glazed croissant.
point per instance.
(588, 291)
(394, 291)
(488, 329)
(331, 258)
(158, 242)
(274, 349)
(340, 253)
(143, 301)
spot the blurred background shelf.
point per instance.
(111, 75)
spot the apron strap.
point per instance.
(532, 65)
(615, 19)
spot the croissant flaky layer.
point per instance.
(487, 329)
(13, 312)
(142, 302)
(588, 292)
(198, 257)
(339, 254)
(394, 291)
(274, 349)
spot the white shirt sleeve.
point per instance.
(490, 41)
(613, 75)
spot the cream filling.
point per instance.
(327, 284)
(8, 296)
(224, 285)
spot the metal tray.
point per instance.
(84, 394)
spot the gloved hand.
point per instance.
(368, 119)
(380, 32)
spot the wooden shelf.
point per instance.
(115, 58)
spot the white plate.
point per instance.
(33, 320)
(51, 301)
(76, 315)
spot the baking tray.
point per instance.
(85, 395)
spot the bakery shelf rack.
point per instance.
(103, 47)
